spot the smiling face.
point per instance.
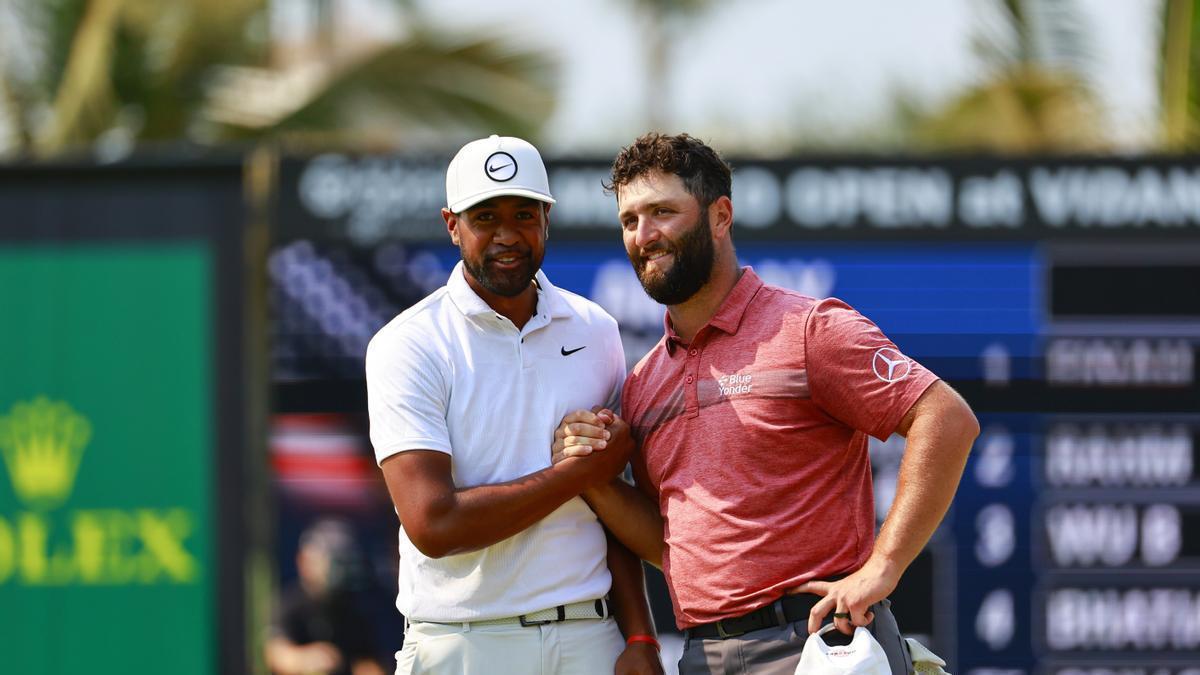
(502, 242)
(667, 236)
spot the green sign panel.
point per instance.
(106, 439)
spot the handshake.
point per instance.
(596, 436)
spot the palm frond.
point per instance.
(84, 101)
(173, 69)
(1048, 33)
(1036, 93)
(146, 57)
(1025, 110)
(55, 24)
(425, 82)
(1059, 34)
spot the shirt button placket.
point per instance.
(690, 395)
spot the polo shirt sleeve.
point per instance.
(407, 397)
(856, 374)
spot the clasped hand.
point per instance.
(598, 439)
(586, 431)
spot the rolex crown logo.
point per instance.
(42, 442)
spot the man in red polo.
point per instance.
(751, 418)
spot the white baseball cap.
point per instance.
(493, 167)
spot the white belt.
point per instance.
(585, 609)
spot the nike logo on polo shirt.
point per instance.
(566, 352)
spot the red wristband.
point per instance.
(642, 637)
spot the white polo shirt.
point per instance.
(450, 374)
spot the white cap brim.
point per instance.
(464, 204)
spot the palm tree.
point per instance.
(1036, 95)
(199, 70)
(424, 85)
(132, 66)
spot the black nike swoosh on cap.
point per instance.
(494, 169)
(566, 352)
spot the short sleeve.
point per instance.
(407, 397)
(856, 374)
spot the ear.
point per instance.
(720, 216)
(451, 225)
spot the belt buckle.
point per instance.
(527, 623)
(726, 634)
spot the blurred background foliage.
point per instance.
(1179, 63)
(118, 73)
(107, 76)
(1035, 95)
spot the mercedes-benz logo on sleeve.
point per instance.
(500, 166)
(890, 365)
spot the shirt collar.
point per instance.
(729, 314)
(549, 294)
(549, 298)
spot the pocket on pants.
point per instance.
(424, 654)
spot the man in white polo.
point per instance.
(502, 565)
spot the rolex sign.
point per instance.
(106, 550)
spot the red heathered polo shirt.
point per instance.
(755, 437)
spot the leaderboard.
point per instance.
(1118, 511)
(1078, 522)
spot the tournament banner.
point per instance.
(121, 441)
(370, 199)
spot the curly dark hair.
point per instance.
(704, 174)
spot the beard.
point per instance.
(689, 271)
(505, 283)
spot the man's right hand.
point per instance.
(630, 513)
(584, 431)
(598, 437)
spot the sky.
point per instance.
(746, 70)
